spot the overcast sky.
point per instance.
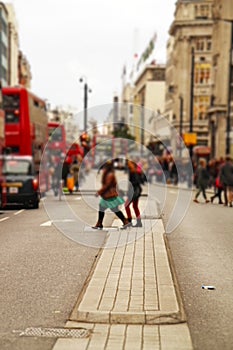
(64, 40)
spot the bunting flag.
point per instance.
(148, 51)
(124, 71)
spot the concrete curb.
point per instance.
(104, 284)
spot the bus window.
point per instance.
(12, 117)
(55, 134)
(11, 102)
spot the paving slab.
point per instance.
(132, 281)
(128, 337)
(131, 300)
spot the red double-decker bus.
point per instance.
(26, 120)
(57, 139)
(2, 145)
(26, 125)
(2, 125)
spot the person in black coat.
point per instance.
(226, 178)
(134, 192)
(202, 176)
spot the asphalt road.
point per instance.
(202, 250)
(42, 273)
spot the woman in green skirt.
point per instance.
(109, 196)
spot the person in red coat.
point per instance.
(134, 192)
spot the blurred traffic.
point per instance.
(55, 162)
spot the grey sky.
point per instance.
(64, 40)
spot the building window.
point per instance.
(4, 50)
(202, 73)
(231, 95)
(201, 105)
(159, 75)
(203, 44)
(208, 45)
(200, 45)
(203, 11)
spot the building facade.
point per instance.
(221, 110)
(24, 71)
(4, 45)
(199, 74)
(13, 46)
(143, 100)
(189, 70)
(14, 66)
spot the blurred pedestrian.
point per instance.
(218, 186)
(66, 170)
(173, 172)
(57, 175)
(226, 178)
(109, 196)
(134, 192)
(218, 191)
(202, 178)
(74, 170)
(165, 167)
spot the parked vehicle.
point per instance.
(26, 127)
(21, 183)
(2, 124)
(2, 145)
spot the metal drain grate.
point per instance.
(55, 332)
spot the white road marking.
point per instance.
(50, 222)
(105, 229)
(47, 223)
(19, 212)
(3, 219)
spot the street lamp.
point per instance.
(83, 79)
(191, 98)
(142, 128)
(181, 121)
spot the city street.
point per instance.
(43, 272)
(201, 248)
(116, 175)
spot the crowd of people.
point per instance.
(67, 169)
(216, 174)
(213, 174)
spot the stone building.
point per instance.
(199, 74)
(4, 45)
(13, 46)
(14, 67)
(189, 69)
(24, 71)
(221, 111)
(143, 100)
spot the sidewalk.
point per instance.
(131, 300)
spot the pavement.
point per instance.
(131, 298)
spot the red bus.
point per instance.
(2, 125)
(26, 126)
(56, 145)
(2, 145)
